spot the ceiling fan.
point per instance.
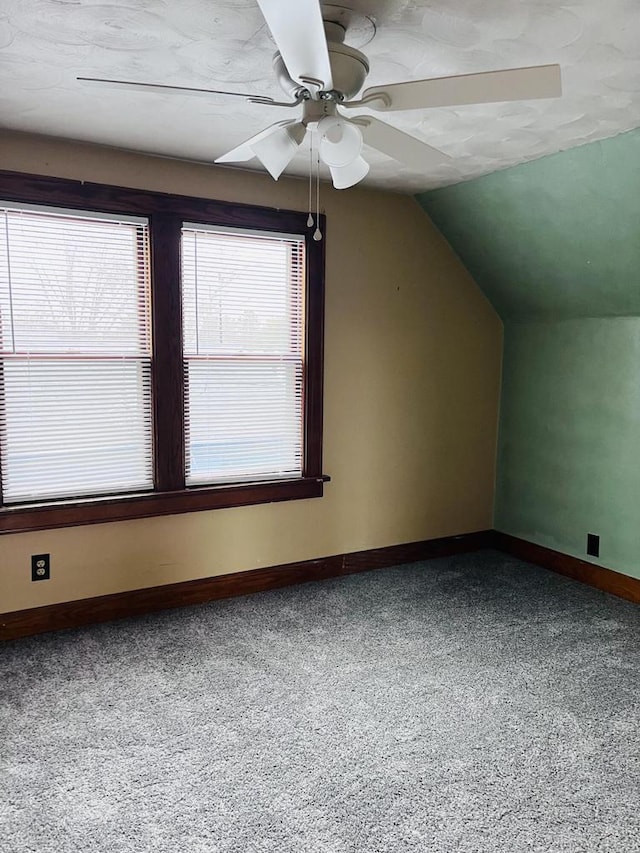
(322, 75)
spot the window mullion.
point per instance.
(314, 354)
(168, 372)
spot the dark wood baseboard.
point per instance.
(73, 614)
(605, 579)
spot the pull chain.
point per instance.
(317, 234)
(310, 217)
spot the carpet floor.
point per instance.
(472, 703)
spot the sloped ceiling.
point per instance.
(555, 238)
(224, 44)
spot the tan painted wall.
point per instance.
(412, 372)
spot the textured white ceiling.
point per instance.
(45, 44)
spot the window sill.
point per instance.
(27, 517)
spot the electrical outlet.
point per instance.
(593, 545)
(40, 567)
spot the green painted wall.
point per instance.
(569, 449)
(554, 238)
(555, 245)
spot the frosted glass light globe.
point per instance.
(340, 141)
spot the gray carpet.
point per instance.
(472, 703)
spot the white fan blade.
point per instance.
(516, 84)
(298, 32)
(274, 146)
(157, 87)
(344, 177)
(399, 145)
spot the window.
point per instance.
(243, 339)
(158, 354)
(75, 388)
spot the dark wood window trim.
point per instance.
(166, 213)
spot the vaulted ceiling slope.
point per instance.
(552, 239)
(224, 44)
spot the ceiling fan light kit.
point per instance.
(340, 141)
(276, 150)
(322, 74)
(347, 176)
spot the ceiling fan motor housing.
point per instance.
(349, 69)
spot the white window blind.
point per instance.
(75, 368)
(244, 354)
